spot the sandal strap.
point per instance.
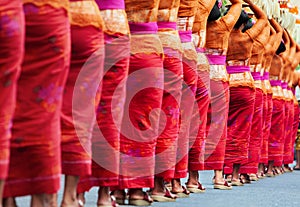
(200, 187)
(147, 197)
(168, 194)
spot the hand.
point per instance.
(236, 1)
(248, 1)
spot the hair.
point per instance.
(244, 18)
(281, 48)
(215, 13)
(248, 25)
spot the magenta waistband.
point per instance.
(109, 4)
(167, 25)
(143, 28)
(237, 69)
(256, 75)
(293, 90)
(266, 76)
(275, 82)
(185, 36)
(284, 85)
(216, 59)
(200, 50)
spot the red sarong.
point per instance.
(295, 123)
(268, 108)
(106, 134)
(289, 138)
(78, 109)
(141, 121)
(186, 110)
(197, 134)
(277, 132)
(166, 146)
(251, 165)
(35, 164)
(241, 111)
(11, 53)
(217, 125)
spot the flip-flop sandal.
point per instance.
(184, 194)
(222, 186)
(167, 197)
(120, 201)
(238, 182)
(195, 188)
(168, 185)
(296, 168)
(113, 203)
(146, 201)
(253, 177)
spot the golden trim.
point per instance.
(115, 21)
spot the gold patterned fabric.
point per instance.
(189, 51)
(53, 3)
(115, 21)
(268, 86)
(258, 84)
(218, 73)
(142, 11)
(170, 39)
(86, 13)
(146, 43)
(202, 63)
(277, 93)
(298, 140)
(241, 79)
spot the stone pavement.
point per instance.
(283, 191)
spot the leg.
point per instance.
(193, 178)
(297, 159)
(70, 195)
(1, 191)
(103, 196)
(219, 176)
(9, 202)
(44, 200)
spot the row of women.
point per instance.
(135, 94)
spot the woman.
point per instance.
(77, 118)
(218, 31)
(106, 133)
(143, 99)
(242, 90)
(271, 47)
(35, 166)
(278, 114)
(12, 50)
(166, 152)
(250, 167)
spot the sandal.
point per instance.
(119, 200)
(113, 203)
(167, 197)
(222, 186)
(253, 177)
(195, 188)
(245, 179)
(270, 175)
(237, 182)
(146, 201)
(296, 168)
(184, 194)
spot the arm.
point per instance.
(262, 20)
(279, 31)
(232, 15)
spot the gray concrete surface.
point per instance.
(283, 191)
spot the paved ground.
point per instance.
(283, 191)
